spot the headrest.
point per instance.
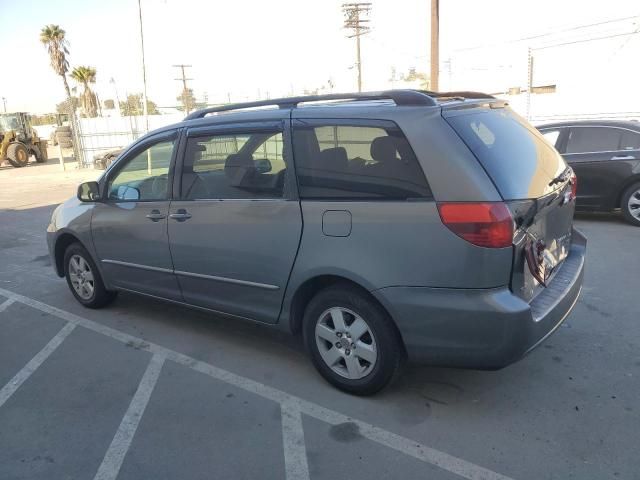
(334, 159)
(237, 167)
(383, 149)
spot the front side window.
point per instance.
(356, 162)
(234, 166)
(593, 139)
(145, 176)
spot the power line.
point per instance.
(587, 40)
(554, 32)
(354, 21)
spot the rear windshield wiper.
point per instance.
(560, 178)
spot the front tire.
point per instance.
(84, 279)
(18, 155)
(352, 341)
(630, 204)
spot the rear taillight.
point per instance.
(483, 224)
(574, 185)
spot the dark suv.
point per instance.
(605, 154)
(379, 225)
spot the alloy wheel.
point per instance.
(346, 343)
(633, 205)
(81, 277)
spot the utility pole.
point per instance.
(435, 44)
(353, 13)
(4, 101)
(185, 92)
(145, 112)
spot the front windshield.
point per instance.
(8, 122)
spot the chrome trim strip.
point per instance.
(137, 265)
(266, 286)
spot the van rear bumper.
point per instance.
(483, 328)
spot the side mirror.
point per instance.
(89, 192)
(263, 165)
(125, 192)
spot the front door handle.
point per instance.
(156, 216)
(181, 215)
(623, 157)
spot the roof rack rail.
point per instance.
(457, 94)
(400, 97)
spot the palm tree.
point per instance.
(87, 75)
(53, 38)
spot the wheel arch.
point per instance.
(62, 243)
(627, 183)
(308, 289)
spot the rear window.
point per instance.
(356, 162)
(515, 155)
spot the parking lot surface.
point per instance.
(144, 389)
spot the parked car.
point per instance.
(380, 226)
(605, 154)
(103, 160)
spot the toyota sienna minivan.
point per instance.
(381, 227)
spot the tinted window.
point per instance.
(243, 166)
(145, 176)
(630, 141)
(593, 139)
(338, 161)
(514, 154)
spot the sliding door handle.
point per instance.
(156, 216)
(181, 215)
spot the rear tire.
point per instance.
(366, 353)
(18, 155)
(84, 279)
(630, 204)
(43, 155)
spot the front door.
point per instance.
(129, 227)
(235, 230)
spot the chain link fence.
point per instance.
(97, 136)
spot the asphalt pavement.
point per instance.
(144, 389)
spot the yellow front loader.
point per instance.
(18, 140)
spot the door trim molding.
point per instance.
(181, 273)
(235, 281)
(137, 265)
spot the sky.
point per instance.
(252, 49)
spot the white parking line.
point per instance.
(295, 450)
(405, 445)
(122, 440)
(33, 364)
(6, 303)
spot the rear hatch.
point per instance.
(534, 181)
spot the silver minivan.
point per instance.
(381, 227)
